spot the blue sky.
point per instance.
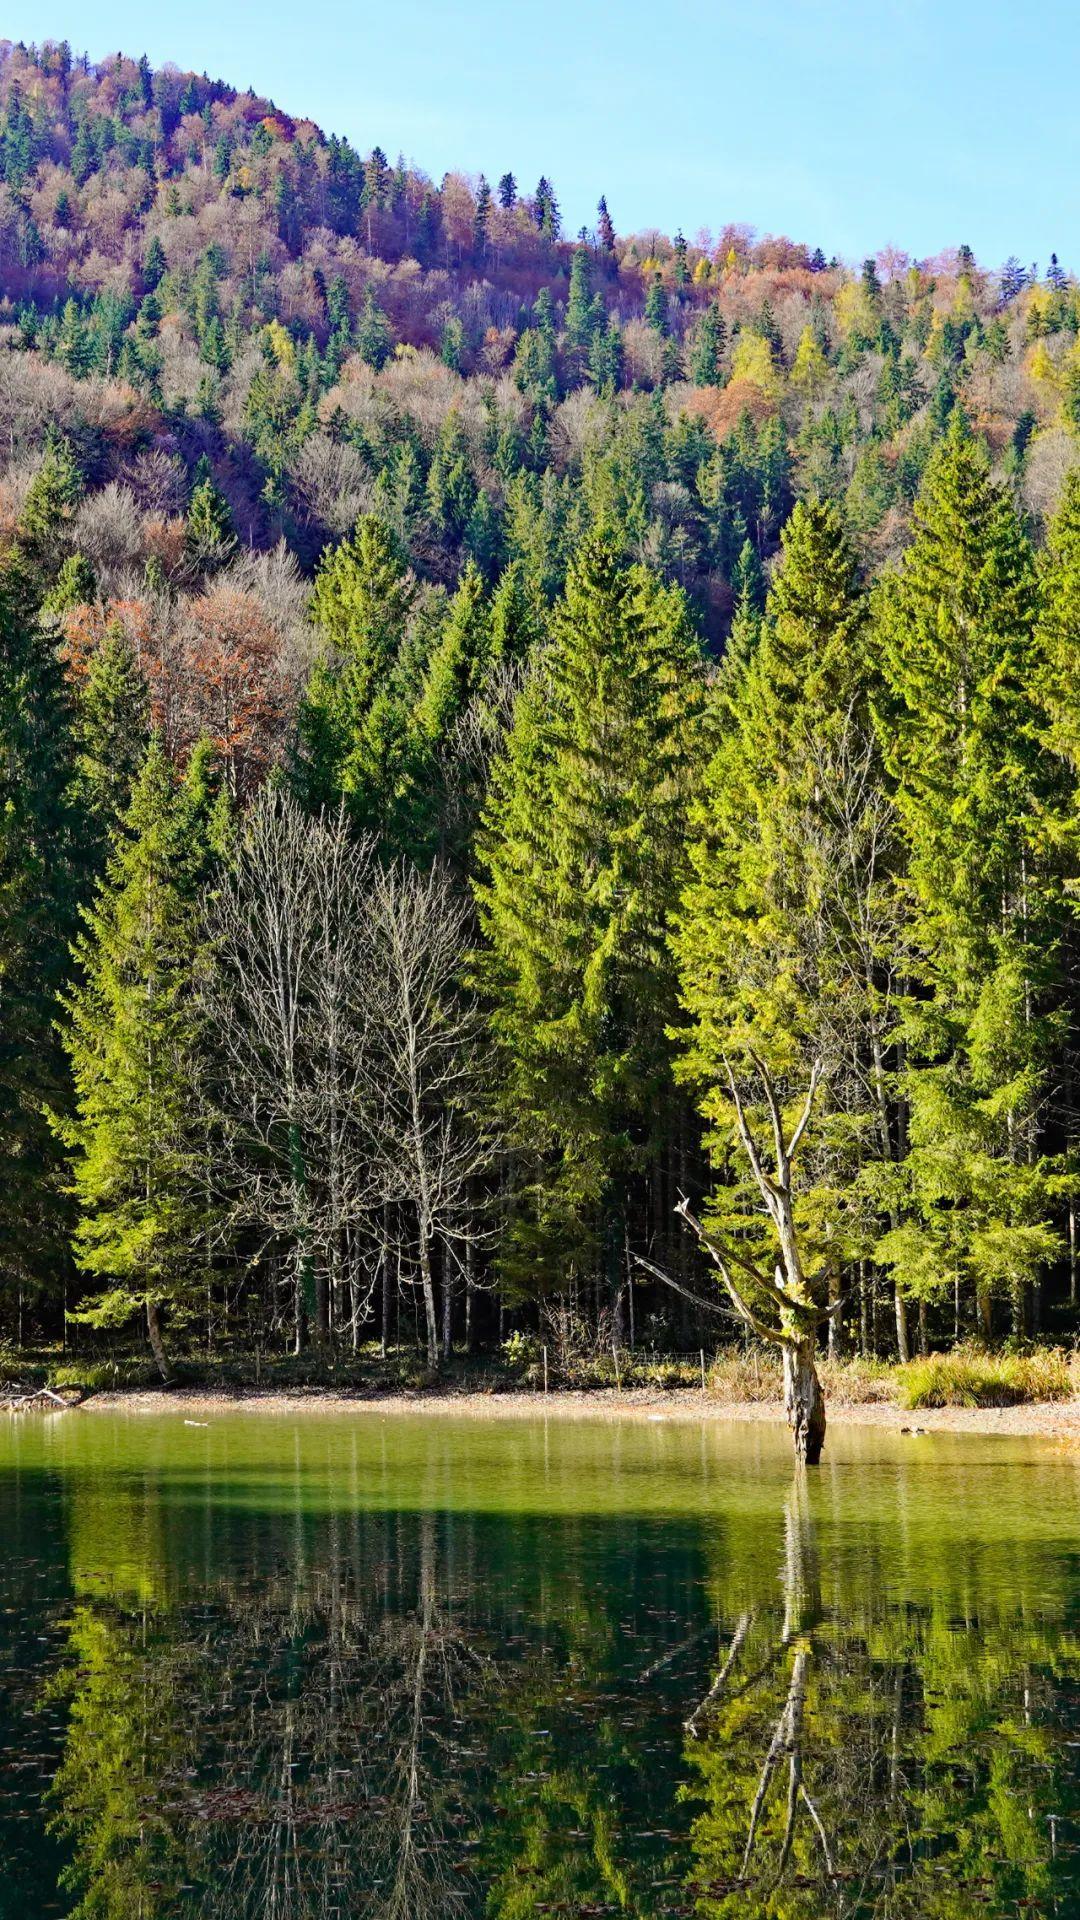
(915, 123)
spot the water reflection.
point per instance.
(852, 1698)
(860, 1759)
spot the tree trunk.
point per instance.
(804, 1402)
(903, 1347)
(986, 1314)
(157, 1348)
(447, 1303)
(431, 1324)
(836, 1320)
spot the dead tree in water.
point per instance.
(781, 1307)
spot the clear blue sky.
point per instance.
(850, 124)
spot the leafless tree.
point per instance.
(783, 1306)
(287, 1013)
(425, 1065)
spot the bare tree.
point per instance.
(782, 1307)
(288, 1023)
(425, 1064)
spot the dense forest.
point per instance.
(495, 726)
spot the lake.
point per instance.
(394, 1668)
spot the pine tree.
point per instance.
(580, 857)
(112, 724)
(975, 789)
(459, 662)
(708, 348)
(355, 718)
(209, 531)
(605, 229)
(374, 338)
(39, 883)
(656, 305)
(792, 899)
(130, 1039)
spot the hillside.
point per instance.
(189, 271)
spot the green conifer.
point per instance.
(130, 1039)
(580, 857)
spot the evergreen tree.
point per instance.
(112, 724)
(39, 881)
(605, 230)
(355, 720)
(209, 531)
(580, 857)
(956, 629)
(51, 499)
(656, 305)
(481, 218)
(373, 336)
(548, 218)
(518, 622)
(74, 586)
(791, 909)
(154, 264)
(707, 351)
(579, 312)
(130, 1039)
(460, 660)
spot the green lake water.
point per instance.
(415, 1668)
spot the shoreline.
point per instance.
(1058, 1420)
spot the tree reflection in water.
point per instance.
(406, 1726)
(284, 1753)
(868, 1761)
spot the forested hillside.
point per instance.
(490, 722)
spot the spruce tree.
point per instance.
(459, 662)
(374, 338)
(51, 499)
(209, 533)
(130, 1039)
(39, 884)
(605, 227)
(708, 348)
(656, 306)
(579, 313)
(112, 724)
(518, 615)
(741, 918)
(792, 897)
(580, 857)
(362, 601)
(976, 791)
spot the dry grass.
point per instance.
(969, 1376)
